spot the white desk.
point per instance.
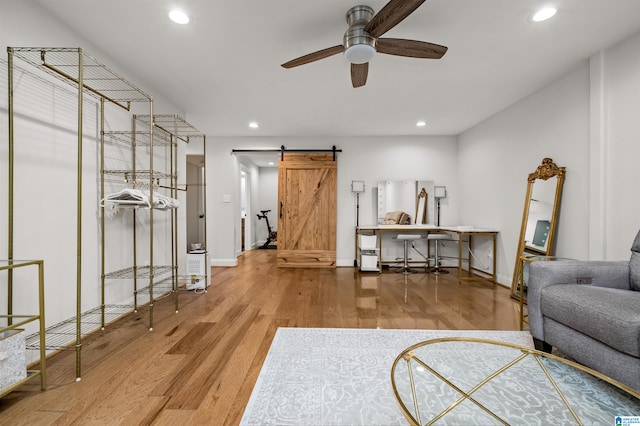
(463, 232)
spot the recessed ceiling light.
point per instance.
(271, 163)
(421, 123)
(544, 14)
(179, 17)
(253, 125)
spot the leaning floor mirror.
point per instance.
(540, 217)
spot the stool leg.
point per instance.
(436, 267)
(405, 268)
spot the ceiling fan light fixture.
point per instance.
(179, 17)
(359, 46)
(359, 53)
(362, 40)
(544, 14)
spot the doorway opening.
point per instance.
(195, 208)
(258, 191)
(245, 209)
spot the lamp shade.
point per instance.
(357, 186)
(439, 192)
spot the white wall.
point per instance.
(252, 189)
(255, 206)
(369, 159)
(585, 121)
(615, 150)
(497, 155)
(267, 200)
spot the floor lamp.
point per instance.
(357, 187)
(439, 192)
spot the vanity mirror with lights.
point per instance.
(540, 216)
(414, 197)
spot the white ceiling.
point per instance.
(223, 70)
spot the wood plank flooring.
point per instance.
(199, 366)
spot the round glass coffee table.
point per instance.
(482, 382)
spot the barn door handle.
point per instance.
(280, 209)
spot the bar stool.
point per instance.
(407, 238)
(436, 258)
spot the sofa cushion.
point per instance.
(609, 315)
(634, 264)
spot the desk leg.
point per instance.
(355, 258)
(380, 252)
(460, 255)
(470, 274)
(461, 259)
(521, 284)
(469, 256)
(379, 234)
(495, 272)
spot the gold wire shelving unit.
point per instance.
(148, 280)
(180, 129)
(88, 76)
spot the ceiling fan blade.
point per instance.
(359, 74)
(391, 15)
(410, 48)
(315, 56)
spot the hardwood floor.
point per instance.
(199, 366)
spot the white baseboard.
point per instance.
(503, 279)
(224, 262)
(344, 262)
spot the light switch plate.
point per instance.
(226, 198)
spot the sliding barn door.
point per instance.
(307, 210)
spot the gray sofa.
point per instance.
(589, 311)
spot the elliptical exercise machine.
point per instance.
(273, 235)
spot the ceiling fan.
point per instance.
(362, 39)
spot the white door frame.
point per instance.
(247, 202)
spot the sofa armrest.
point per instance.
(614, 274)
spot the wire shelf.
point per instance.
(66, 63)
(63, 335)
(140, 138)
(173, 124)
(160, 289)
(139, 272)
(139, 174)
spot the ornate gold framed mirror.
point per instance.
(540, 216)
(421, 208)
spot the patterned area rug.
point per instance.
(322, 376)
